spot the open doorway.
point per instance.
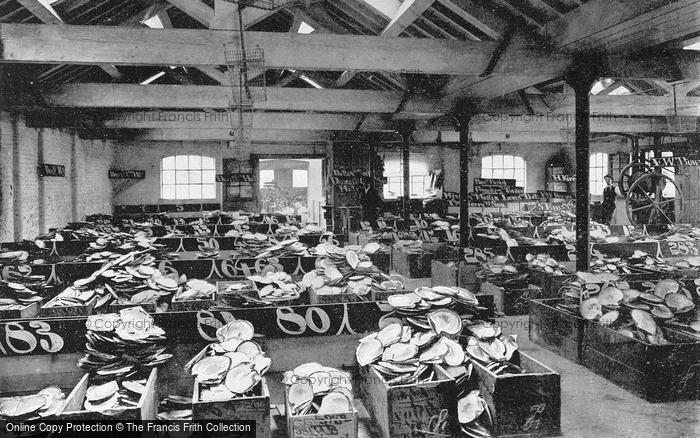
(292, 186)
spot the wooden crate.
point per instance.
(146, 409)
(382, 260)
(193, 305)
(657, 373)
(509, 301)
(526, 404)
(255, 408)
(64, 311)
(382, 295)
(412, 264)
(147, 307)
(316, 298)
(556, 330)
(407, 411)
(461, 274)
(29, 311)
(342, 425)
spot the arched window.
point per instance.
(505, 167)
(599, 167)
(187, 177)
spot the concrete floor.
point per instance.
(591, 405)
(594, 407)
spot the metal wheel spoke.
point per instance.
(646, 207)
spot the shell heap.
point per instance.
(131, 278)
(635, 314)
(119, 353)
(44, 404)
(232, 367)
(345, 270)
(312, 388)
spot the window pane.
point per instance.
(498, 161)
(195, 192)
(266, 176)
(181, 177)
(168, 192)
(208, 176)
(508, 161)
(182, 192)
(300, 178)
(195, 177)
(209, 191)
(168, 177)
(168, 163)
(195, 162)
(181, 162)
(208, 163)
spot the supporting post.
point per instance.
(581, 78)
(406, 130)
(462, 118)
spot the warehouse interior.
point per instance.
(474, 115)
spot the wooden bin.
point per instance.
(526, 404)
(412, 264)
(406, 411)
(29, 311)
(383, 295)
(316, 298)
(511, 301)
(256, 408)
(151, 307)
(344, 425)
(556, 330)
(64, 311)
(193, 305)
(656, 373)
(461, 274)
(146, 409)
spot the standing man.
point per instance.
(609, 195)
(371, 203)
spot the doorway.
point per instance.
(292, 186)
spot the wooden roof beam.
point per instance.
(617, 26)
(48, 15)
(53, 44)
(405, 16)
(42, 11)
(469, 18)
(217, 97)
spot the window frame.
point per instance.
(604, 167)
(503, 169)
(206, 164)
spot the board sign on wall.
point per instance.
(126, 174)
(235, 177)
(51, 170)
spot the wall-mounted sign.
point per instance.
(563, 178)
(126, 174)
(235, 177)
(51, 170)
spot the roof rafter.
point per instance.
(405, 16)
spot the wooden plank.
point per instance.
(259, 136)
(196, 9)
(405, 16)
(617, 25)
(278, 99)
(43, 12)
(623, 105)
(96, 44)
(471, 19)
(220, 120)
